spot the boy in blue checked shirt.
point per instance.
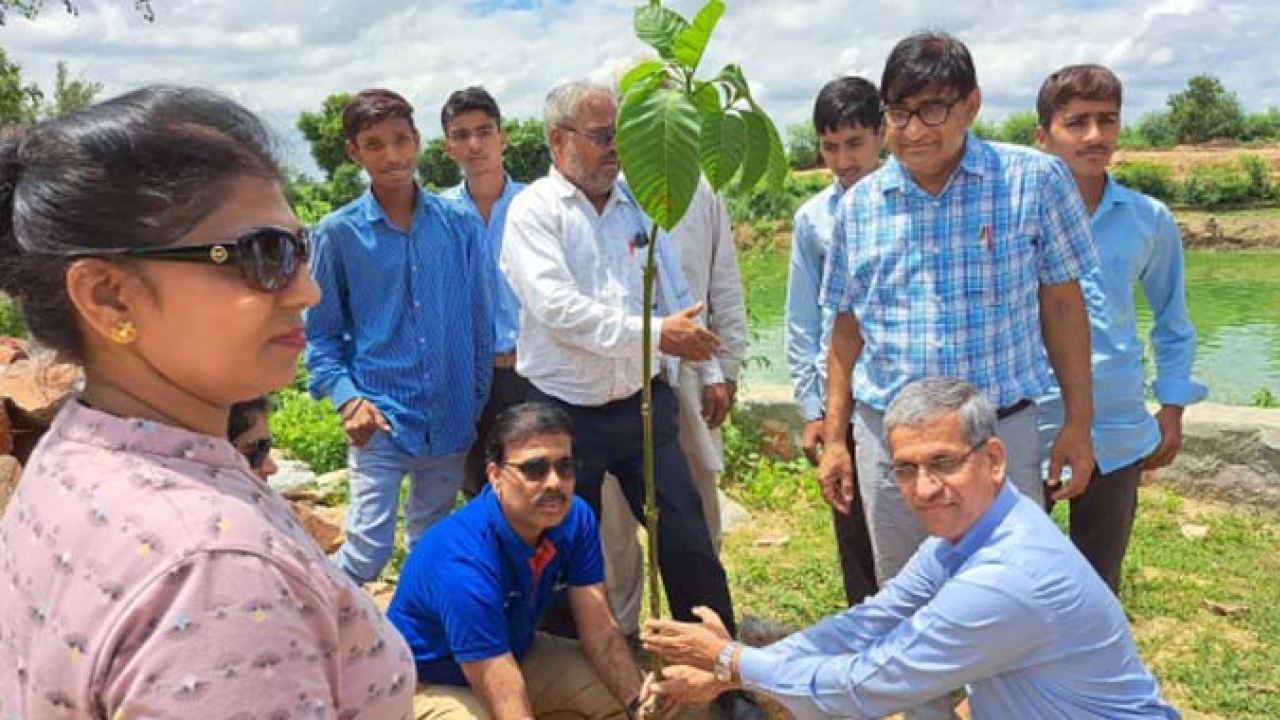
(402, 339)
(1136, 240)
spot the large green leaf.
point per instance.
(756, 161)
(658, 146)
(642, 72)
(776, 172)
(722, 147)
(731, 77)
(692, 42)
(707, 99)
(658, 26)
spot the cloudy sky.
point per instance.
(281, 57)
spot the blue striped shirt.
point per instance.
(506, 314)
(405, 320)
(947, 284)
(808, 323)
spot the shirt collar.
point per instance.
(373, 211)
(1112, 194)
(834, 193)
(953, 556)
(512, 545)
(566, 189)
(508, 189)
(972, 161)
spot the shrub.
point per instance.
(1228, 184)
(309, 430)
(11, 321)
(764, 204)
(1151, 178)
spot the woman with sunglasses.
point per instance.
(144, 570)
(249, 432)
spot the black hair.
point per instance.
(847, 101)
(241, 416)
(139, 170)
(370, 107)
(1086, 82)
(472, 99)
(522, 422)
(924, 60)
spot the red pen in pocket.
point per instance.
(987, 238)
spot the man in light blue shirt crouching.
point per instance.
(996, 601)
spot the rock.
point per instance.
(323, 524)
(332, 479)
(10, 473)
(732, 514)
(32, 391)
(290, 474)
(1191, 531)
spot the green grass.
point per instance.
(1209, 665)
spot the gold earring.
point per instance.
(124, 333)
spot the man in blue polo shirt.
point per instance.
(402, 338)
(473, 589)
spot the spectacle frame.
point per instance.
(932, 113)
(601, 138)
(939, 468)
(537, 469)
(268, 257)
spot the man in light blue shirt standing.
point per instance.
(996, 601)
(473, 138)
(1136, 240)
(846, 119)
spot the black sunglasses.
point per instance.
(257, 451)
(537, 469)
(268, 257)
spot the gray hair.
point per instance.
(565, 99)
(927, 400)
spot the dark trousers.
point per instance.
(508, 389)
(1102, 520)
(853, 544)
(609, 438)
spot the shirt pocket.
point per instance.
(999, 268)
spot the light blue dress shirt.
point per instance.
(506, 311)
(1136, 239)
(808, 332)
(947, 285)
(1012, 612)
(405, 320)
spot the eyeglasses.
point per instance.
(932, 113)
(537, 469)
(940, 468)
(257, 451)
(268, 257)
(601, 138)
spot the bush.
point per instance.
(309, 429)
(1222, 184)
(763, 204)
(1151, 178)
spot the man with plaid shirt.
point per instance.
(958, 258)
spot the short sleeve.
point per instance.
(586, 560)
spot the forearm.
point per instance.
(846, 346)
(499, 685)
(1064, 325)
(608, 653)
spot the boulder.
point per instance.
(10, 472)
(323, 524)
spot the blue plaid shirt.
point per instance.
(947, 284)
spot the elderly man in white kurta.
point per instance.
(710, 264)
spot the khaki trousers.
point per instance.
(558, 678)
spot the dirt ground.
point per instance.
(1184, 157)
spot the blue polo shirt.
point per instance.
(472, 590)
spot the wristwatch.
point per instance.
(723, 667)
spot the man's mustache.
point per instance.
(550, 497)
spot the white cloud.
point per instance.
(284, 56)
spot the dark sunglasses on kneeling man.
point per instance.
(537, 469)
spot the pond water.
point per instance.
(1234, 299)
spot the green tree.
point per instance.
(30, 8)
(527, 157)
(802, 146)
(436, 168)
(674, 129)
(984, 130)
(323, 130)
(1262, 126)
(1205, 111)
(19, 103)
(1019, 128)
(69, 94)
